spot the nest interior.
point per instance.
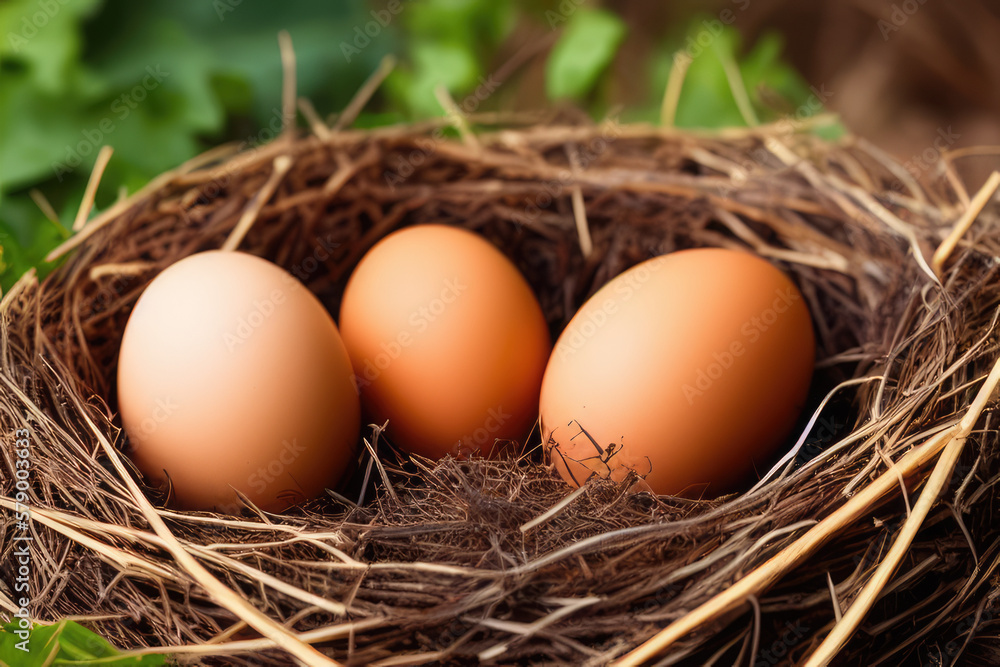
(434, 565)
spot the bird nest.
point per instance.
(873, 541)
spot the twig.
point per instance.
(738, 87)
(114, 269)
(43, 204)
(528, 629)
(770, 572)
(672, 94)
(972, 151)
(890, 465)
(838, 611)
(579, 209)
(554, 510)
(831, 261)
(111, 214)
(108, 553)
(794, 451)
(956, 183)
(370, 446)
(365, 93)
(844, 192)
(319, 635)
(30, 277)
(288, 85)
(897, 170)
(965, 222)
(224, 595)
(282, 164)
(319, 128)
(91, 192)
(457, 118)
(844, 628)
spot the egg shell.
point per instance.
(447, 340)
(689, 368)
(232, 375)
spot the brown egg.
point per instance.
(447, 340)
(690, 369)
(232, 375)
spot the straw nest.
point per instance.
(875, 538)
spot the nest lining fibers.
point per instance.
(459, 561)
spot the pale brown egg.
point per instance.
(233, 377)
(447, 340)
(689, 369)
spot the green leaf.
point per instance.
(233, 91)
(239, 40)
(476, 23)
(776, 91)
(451, 65)
(449, 43)
(707, 99)
(44, 37)
(34, 127)
(833, 131)
(66, 644)
(75, 77)
(584, 50)
(763, 68)
(25, 238)
(435, 64)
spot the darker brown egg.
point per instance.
(447, 340)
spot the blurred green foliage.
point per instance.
(445, 42)
(65, 644)
(584, 51)
(163, 80)
(159, 81)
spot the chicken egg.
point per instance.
(689, 369)
(447, 340)
(233, 377)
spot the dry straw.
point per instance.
(873, 543)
